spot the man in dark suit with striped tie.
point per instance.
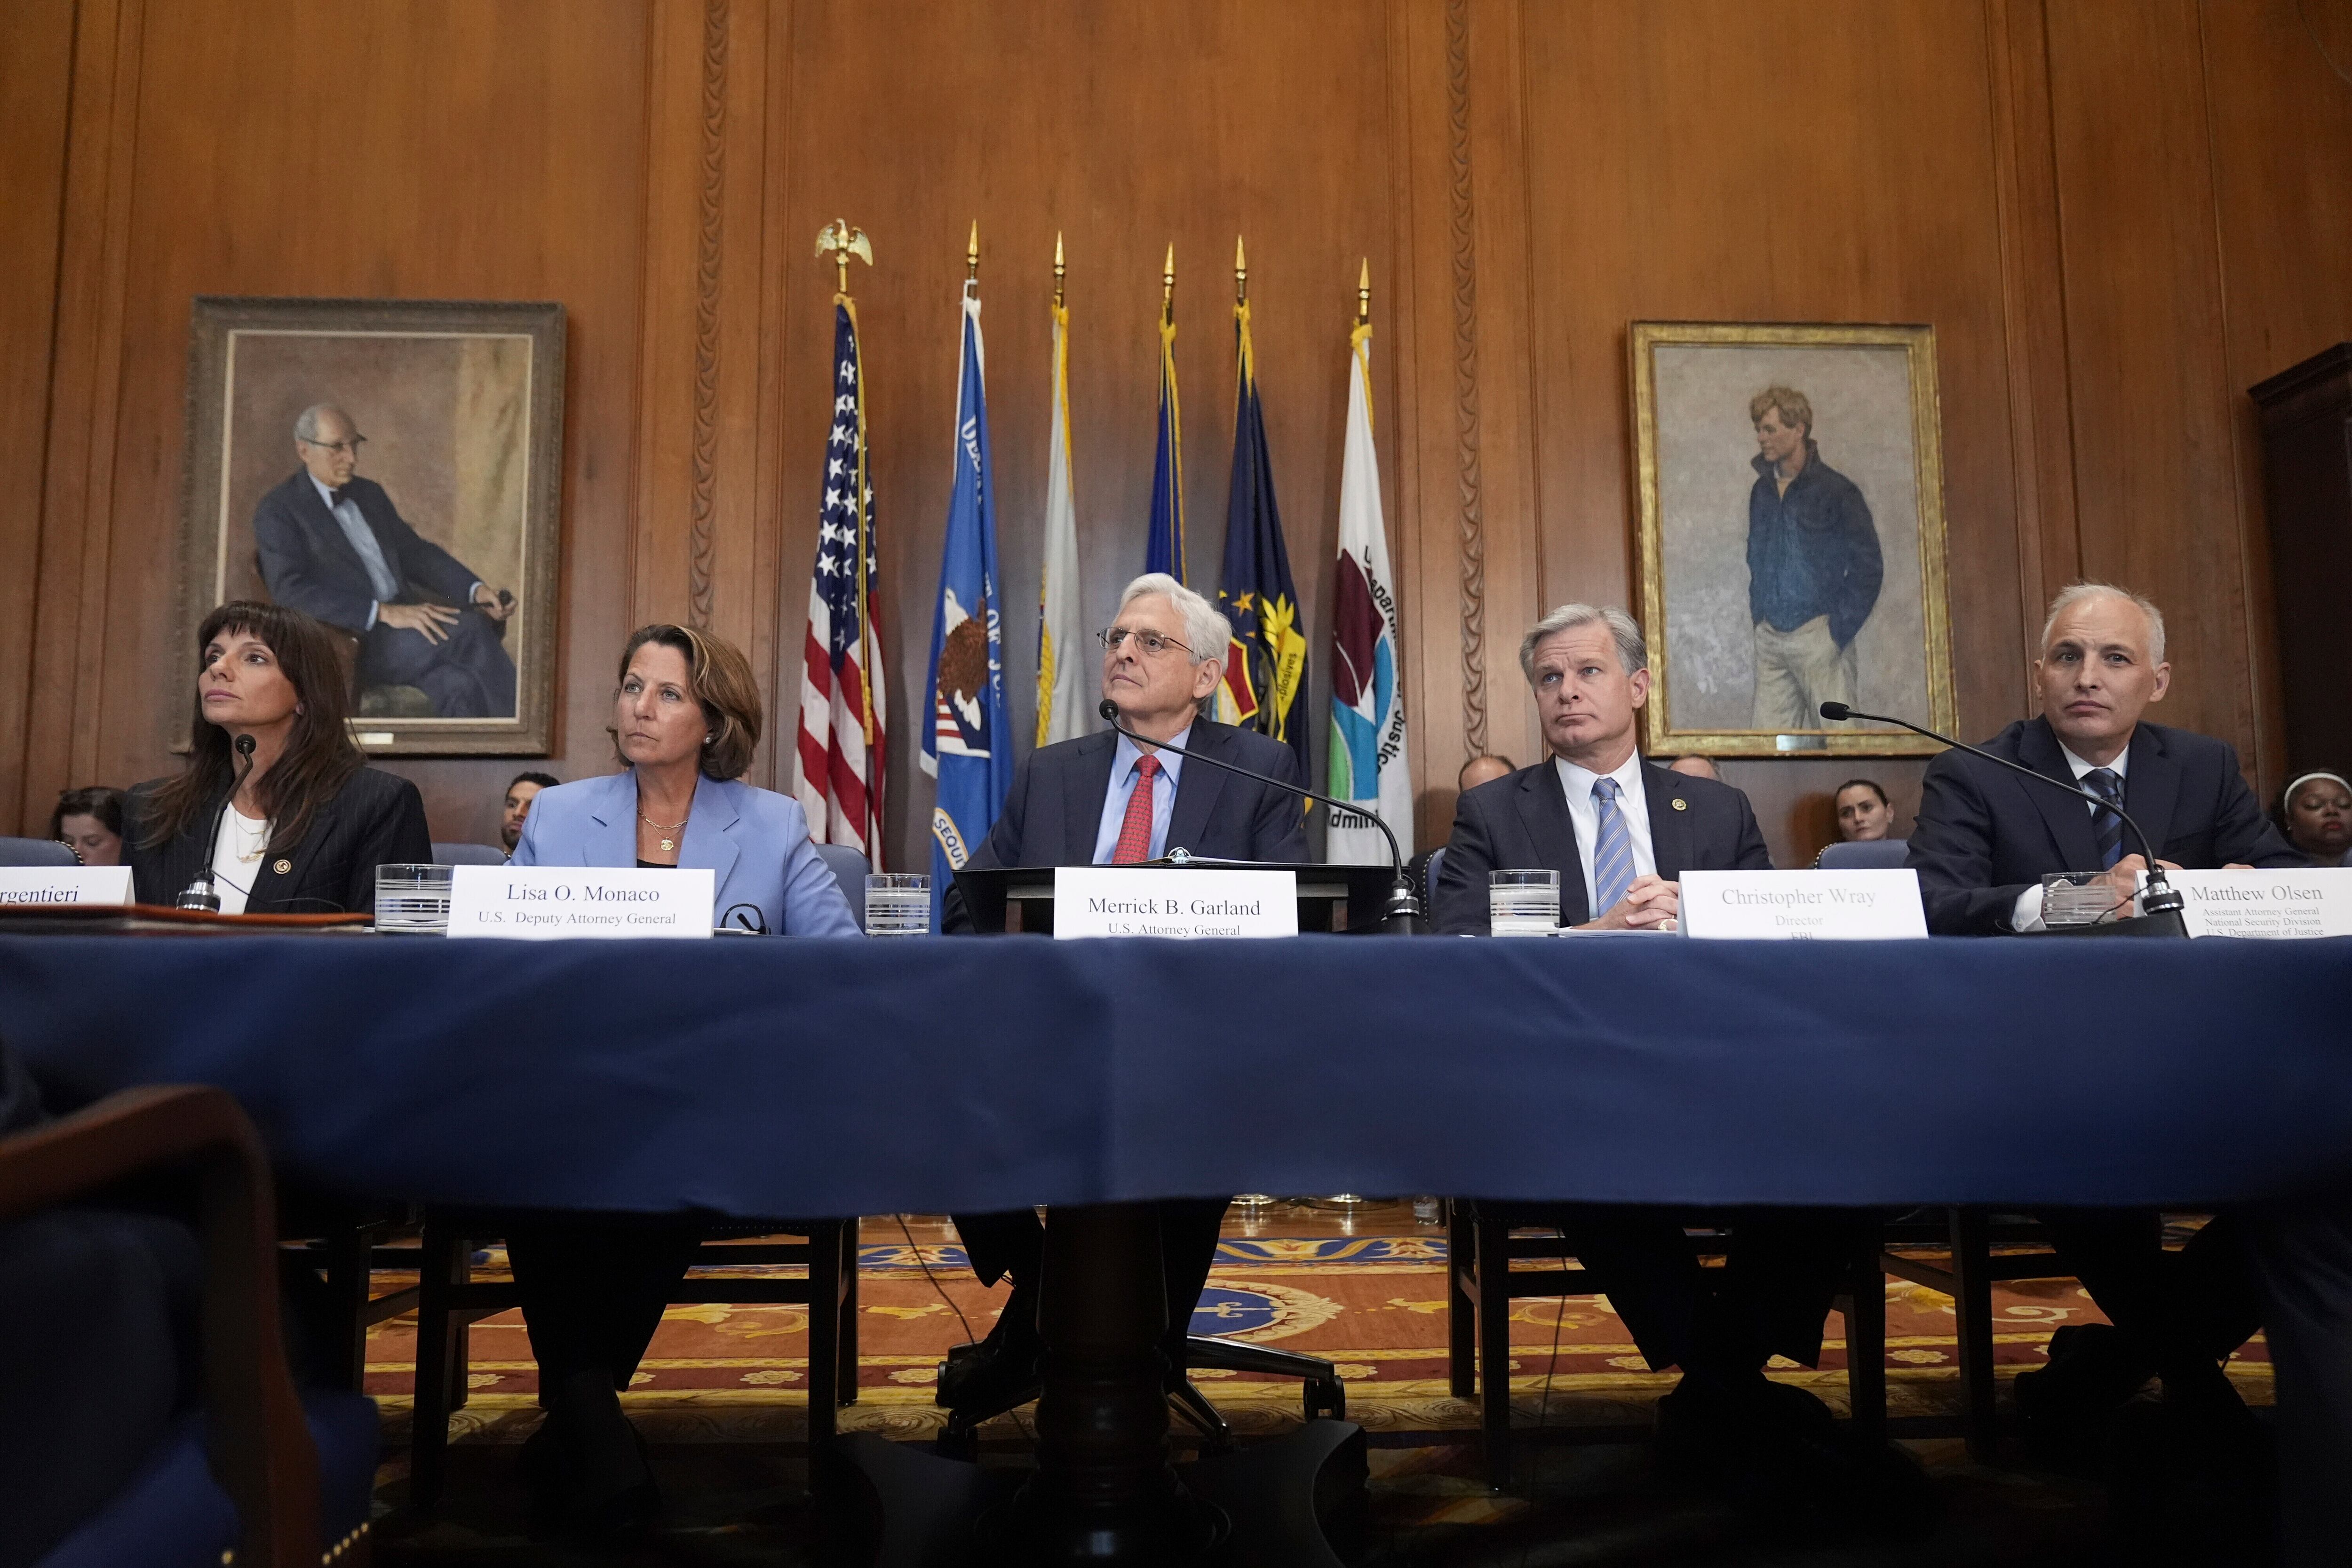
(1984, 839)
(1620, 831)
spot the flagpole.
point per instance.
(844, 242)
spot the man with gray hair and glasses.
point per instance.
(333, 546)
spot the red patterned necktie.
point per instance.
(1134, 846)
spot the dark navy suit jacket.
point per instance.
(1053, 810)
(307, 564)
(1521, 823)
(1984, 833)
(375, 819)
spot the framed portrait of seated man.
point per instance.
(1791, 536)
(394, 469)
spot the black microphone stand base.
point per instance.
(201, 898)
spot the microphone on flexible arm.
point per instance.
(2160, 902)
(201, 894)
(1404, 916)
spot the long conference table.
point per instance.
(754, 1077)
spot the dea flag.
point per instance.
(1368, 762)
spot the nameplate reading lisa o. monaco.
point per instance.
(2301, 901)
(54, 885)
(1765, 906)
(1154, 900)
(579, 900)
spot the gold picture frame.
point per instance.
(1871, 429)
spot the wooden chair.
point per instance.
(451, 1298)
(1968, 1273)
(269, 1450)
(1485, 1238)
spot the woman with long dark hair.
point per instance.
(311, 821)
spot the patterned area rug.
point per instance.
(1374, 1305)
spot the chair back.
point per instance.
(1878, 854)
(469, 854)
(1428, 889)
(848, 869)
(36, 852)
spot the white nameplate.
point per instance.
(2305, 902)
(1850, 906)
(64, 884)
(579, 900)
(1156, 900)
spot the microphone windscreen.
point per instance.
(1835, 710)
(1108, 710)
(244, 745)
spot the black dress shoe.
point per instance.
(2092, 1370)
(994, 1374)
(1777, 1452)
(587, 1470)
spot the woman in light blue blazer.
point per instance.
(686, 719)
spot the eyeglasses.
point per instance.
(352, 445)
(1152, 644)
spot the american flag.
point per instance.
(842, 709)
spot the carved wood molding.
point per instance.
(705, 311)
(1465, 381)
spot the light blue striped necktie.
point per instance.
(1612, 851)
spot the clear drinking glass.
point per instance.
(413, 898)
(2078, 898)
(1522, 903)
(897, 903)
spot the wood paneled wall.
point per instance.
(2118, 216)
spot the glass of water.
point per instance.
(1522, 903)
(897, 903)
(413, 898)
(2078, 898)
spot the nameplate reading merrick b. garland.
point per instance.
(578, 901)
(52, 886)
(2300, 902)
(1155, 901)
(1817, 905)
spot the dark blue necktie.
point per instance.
(2108, 822)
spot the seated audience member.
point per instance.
(1863, 815)
(311, 821)
(1694, 766)
(90, 823)
(1619, 832)
(519, 795)
(686, 723)
(1983, 839)
(1484, 768)
(1103, 800)
(2317, 813)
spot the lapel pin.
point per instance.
(1680, 804)
(283, 866)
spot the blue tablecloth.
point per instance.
(764, 1078)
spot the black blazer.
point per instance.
(1984, 834)
(375, 819)
(307, 564)
(1053, 810)
(1520, 822)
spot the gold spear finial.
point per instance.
(972, 259)
(1241, 273)
(844, 242)
(1168, 285)
(1364, 294)
(1058, 269)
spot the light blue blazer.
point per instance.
(755, 840)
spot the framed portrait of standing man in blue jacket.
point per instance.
(1792, 536)
(391, 470)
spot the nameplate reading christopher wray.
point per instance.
(51, 886)
(550, 901)
(1784, 906)
(2304, 902)
(1158, 900)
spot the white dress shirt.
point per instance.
(236, 858)
(1632, 802)
(1122, 787)
(2027, 915)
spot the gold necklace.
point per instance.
(668, 846)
